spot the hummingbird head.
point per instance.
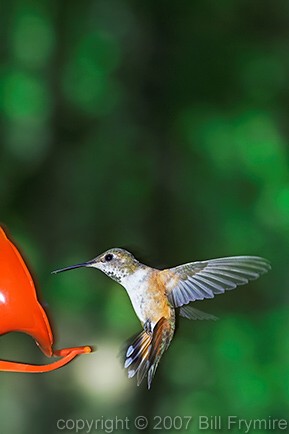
(115, 263)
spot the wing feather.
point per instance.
(205, 279)
(190, 312)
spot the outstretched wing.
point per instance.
(205, 279)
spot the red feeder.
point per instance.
(21, 311)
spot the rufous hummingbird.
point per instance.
(156, 294)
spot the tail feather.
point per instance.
(144, 365)
(145, 351)
(137, 347)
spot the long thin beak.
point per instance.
(71, 267)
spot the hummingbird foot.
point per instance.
(148, 327)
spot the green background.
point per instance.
(161, 127)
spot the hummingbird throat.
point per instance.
(116, 274)
(121, 272)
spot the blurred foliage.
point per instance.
(161, 127)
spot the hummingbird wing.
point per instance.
(190, 312)
(144, 353)
(205, 279)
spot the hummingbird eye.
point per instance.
(108, 257)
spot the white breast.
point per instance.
(136, 287)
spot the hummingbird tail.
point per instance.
(145, 351)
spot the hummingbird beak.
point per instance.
(71, 267)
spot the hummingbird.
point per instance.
(157, 296)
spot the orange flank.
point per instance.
(156, 305)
